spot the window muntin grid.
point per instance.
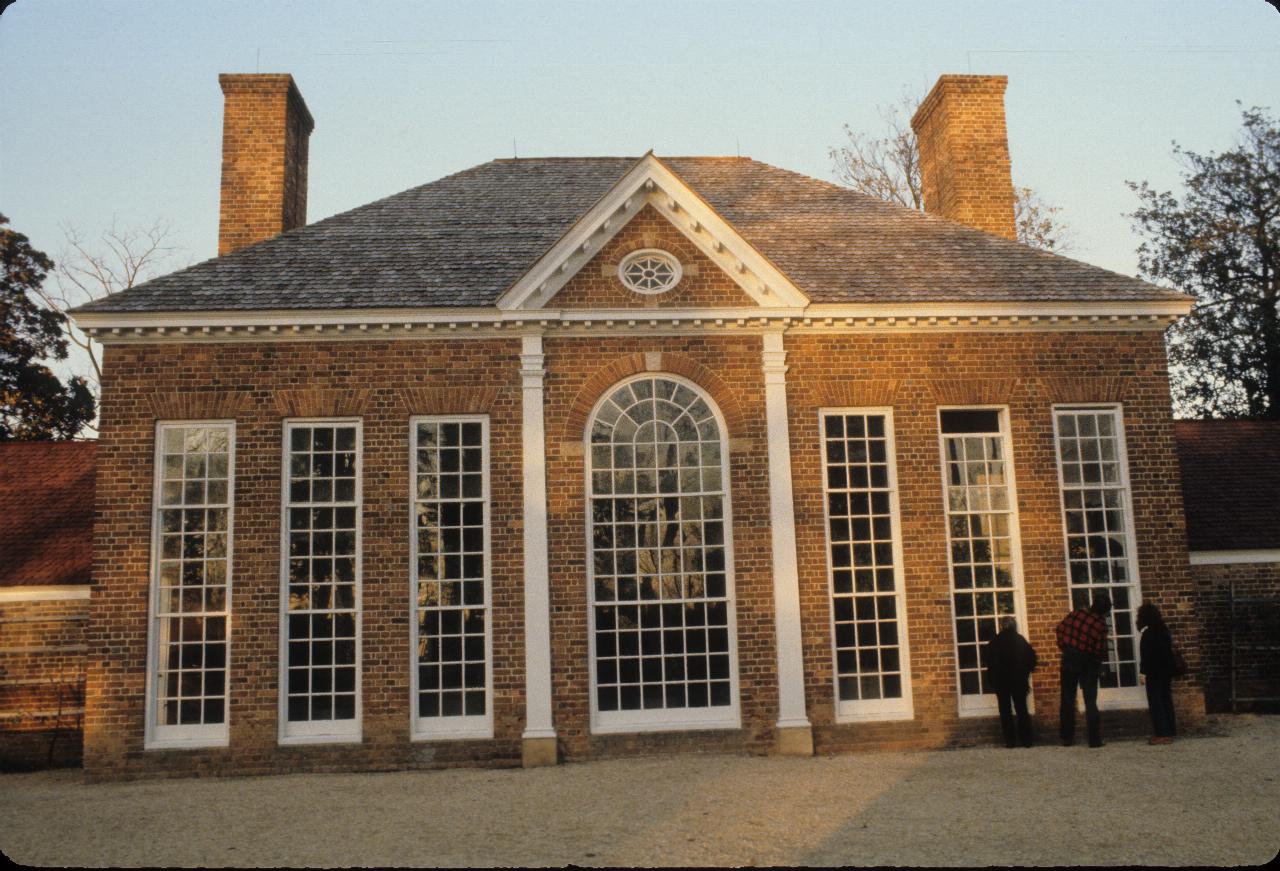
(191, 602)
(650, 271)
(981, 536)
(322, 580)
(1095, 497)
(661, 571)
(451, 589)
(870, 668)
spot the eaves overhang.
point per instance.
(148, 327)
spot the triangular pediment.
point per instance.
(650, 183)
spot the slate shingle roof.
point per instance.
(46, 512)
(1230, 483)
(463, 240)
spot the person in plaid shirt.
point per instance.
(1082, 637)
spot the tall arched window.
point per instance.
(660, 564)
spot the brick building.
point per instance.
(1231, 483)
(567, 458)
(46, 561)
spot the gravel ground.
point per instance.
(1212, 800)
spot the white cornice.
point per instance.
(651, 182)
(44, 593)
(1234, 557)
(357, 324)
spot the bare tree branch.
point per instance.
(94, 269)
(888, 168)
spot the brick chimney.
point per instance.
(265, 128)
(964, 153)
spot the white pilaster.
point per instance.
(539, 729)
(794, 729)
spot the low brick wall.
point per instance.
(1258, 673)
(42, 667)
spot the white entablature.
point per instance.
(651, 182)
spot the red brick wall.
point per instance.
(1028, 372)
(384, 382)
(41, 682)
(1257, 673)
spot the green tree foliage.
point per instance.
(1220, 241)
(34, 403)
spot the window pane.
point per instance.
(860, 539)
(1095, 485)
(966, 420)
(192, 574)
(322, 628)
(450, 612)
(658, 557)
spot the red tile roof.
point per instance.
(46, 512)
(1230, 483)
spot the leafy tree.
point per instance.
(34, 403)
(1220, 241)
(888, 167)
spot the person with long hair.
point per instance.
(1156, 655)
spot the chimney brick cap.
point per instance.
(268, 83)
(953, 82)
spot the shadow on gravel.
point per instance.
(1200, 801)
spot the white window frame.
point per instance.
(319, 731)
(663, 719)
(864, 710)
(983, 705)
(1109, 698)
(458, 727)
(155, 736)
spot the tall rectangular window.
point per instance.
(321, 572)
(191, 584)
(451, 589)
(1095, 512)
(982, 540)
(865, 564)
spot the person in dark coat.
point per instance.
(1156, 655)
(1010, 661)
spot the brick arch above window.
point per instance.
(653, 361)
(474, 399)
(671, 241)
(200, 404)
(974, 391)
(1106, 389)
(319, 402)
(855, 394)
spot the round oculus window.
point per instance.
(650, 271)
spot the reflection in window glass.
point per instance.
(451, 609)
(979, 535)
(193, 576)
(860, 537)
(660, 569)
(1099, 547)
(322, 621)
